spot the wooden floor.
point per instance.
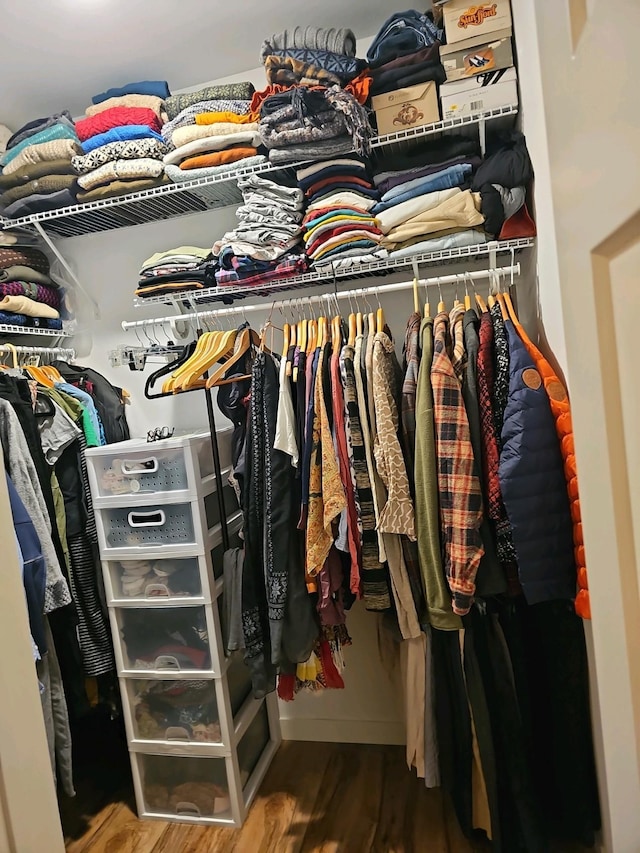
(334, 798)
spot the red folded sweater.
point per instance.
(116, 117)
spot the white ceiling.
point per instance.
(56, 54)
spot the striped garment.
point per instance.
(458, 484)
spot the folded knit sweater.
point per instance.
(43, 152)
(34, 171)
(150, 102)
(144, 167)
(179, 175)
(185, 135)
(28, 307)
(212, 143)
(231, 91)
(188, 114)
(461, 210)
(39, 292)
(158, 88)
(45, 185)
(116, 188)
(21, 272)
(120, 134)
(25, 255)
(56, 131)
(116, 117)
(317, 38)
(133, 149)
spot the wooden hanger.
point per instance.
(286, 335)
(291, 350)
(14, 355)
(336, 333)
(200, 347)
(312, 336)
(359, 324)
(371, 320)
(241, 345)
(380, 319)
(353, 330)
(416, 299)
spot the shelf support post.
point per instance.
(52, 246)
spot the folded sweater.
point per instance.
(120, 134)
(179, 175)
(133, 149)
(395, 216)
(217, 105)
(150, 102)
(38, 125)
(31, 322)
(317, 38)
(116, 188)
(51, 296)
(342, 199)
(44, 185)
(219, 158)
(231, 91)
(158, 88)
(25, 255)
(144, 167)
(21, 272)
(56, 131)
(213, 117)
(212, 143)
(28, 307)
(116, 117)
(185, 135)
(39, 202)
(34, 171)
(461, 210)
(44, 152)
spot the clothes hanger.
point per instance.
(379, 316)
(37, 374)
(293, 337)
(441, 306)
(416, 282)
(500, 298)
(427, 307)
(482, 305)
(14, 354)
(467, 298)
(187, 352)
(216, 344)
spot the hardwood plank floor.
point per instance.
(316, 798)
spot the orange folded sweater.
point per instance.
(219, 158)
(215, 118)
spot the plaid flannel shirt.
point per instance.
(458, 485)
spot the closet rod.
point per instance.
(59, 352)
(458, 278)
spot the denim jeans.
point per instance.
(452, 176)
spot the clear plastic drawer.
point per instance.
(164, 639)
(187, 787)
(148, 526)
(173, 712)
(140, 472)
(154, 578)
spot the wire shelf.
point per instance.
(382, 267)
(172, 200)
(9, 329)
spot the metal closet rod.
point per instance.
(380, 290)
(62, 352)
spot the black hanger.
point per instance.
(166, 369)
(44, 407)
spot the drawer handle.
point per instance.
(156, 590)
(188, 809)
(139, 466)
(155, 518)
(167, 662)
(177, 733)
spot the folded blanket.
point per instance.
(39, 202)
(144, 167)
(37, 125)
(56, 131)
(461, 210)
(58, 149)
(311, 151)
(29, 307)
(394, 216)
(120, 134)
(221, 117)
(31, 322)
(345, 68)
(116, 188)
(219, 158)
(24, 255)
(116, 117)
(178, 175)
(150, 102)
(133, 149)
(34, 171)
(317, 38)
(188, 114)
(22, 272)
(230, 91)
(284, 69)
(41, 293)
(158, 88)
(46, 184)
(185, 135)
(212, 143)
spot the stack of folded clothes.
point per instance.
(313, 124)
(413, 187)
(502, 181)
(406, 52)
(28, 295)
(182, 268)
(122, 148)
(211, 130)
(266, 242)
(311, 56)
(340, 230)
(37, 173)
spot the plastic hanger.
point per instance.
(176, 373)
(14, 354)
(37, 374)
(167, 369)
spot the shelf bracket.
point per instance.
(482, 130)
(52, 246)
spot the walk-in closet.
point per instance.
(317, 412)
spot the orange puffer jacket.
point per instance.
(561, 409)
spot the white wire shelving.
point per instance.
(9, 329)
(332, 275)
(172, 200)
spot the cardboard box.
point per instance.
(477, 55)
(478, 94)
(464, 19)
(405, 108)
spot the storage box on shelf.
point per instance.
(199, 742)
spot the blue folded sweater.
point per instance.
(159, 88)
(56, 131)
(120, 134)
